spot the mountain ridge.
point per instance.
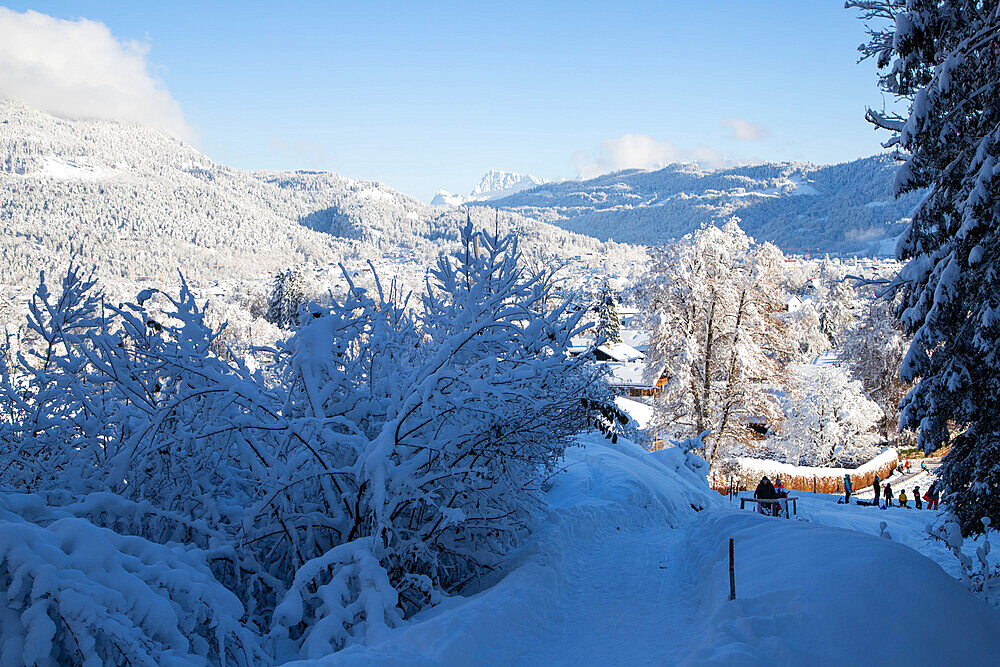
(136, 203)
(845, 208)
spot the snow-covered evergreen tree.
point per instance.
(609, 328)
(288, 294)
(715, 301)
(943, 56)
(838, 307)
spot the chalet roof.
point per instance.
(621, 352)
(628, 374)
(639, 340)
(828, 359)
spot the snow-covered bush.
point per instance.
(431, 432)
(386, 456)
(73, 593)
(980, 575)
(336, 597)
(688, 447)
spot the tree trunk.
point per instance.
(707, 384)
(731, 380)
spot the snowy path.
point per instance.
(622, 603)
(658, 596)
(605, 580)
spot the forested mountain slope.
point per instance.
(135, 203)
(842, 209)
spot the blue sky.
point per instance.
(424, 96)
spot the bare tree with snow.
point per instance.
(830, 421)
(714, 301)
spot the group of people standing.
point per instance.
(932, 497)
(766, 490)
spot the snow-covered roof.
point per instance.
(828, 359)
(639, 340)
(621, 352)
(795, 302)
(628, 374)
(640, 413)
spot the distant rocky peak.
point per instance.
(494, 184)
(496, 181)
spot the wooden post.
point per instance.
(732, 572)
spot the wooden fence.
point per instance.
(746, 473)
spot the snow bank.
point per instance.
(74, 593)
(641, 414)
(810, 594)
(809, 478)
(906, 525)
(603, 488)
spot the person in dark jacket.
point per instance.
(888, 495)
(765, 491)
(916, 498)
(848, 487)
(878, 488)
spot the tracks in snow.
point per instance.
(624, 601)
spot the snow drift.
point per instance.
(603, 489)
(662, 595)
(811, 594)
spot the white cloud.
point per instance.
(77, 69)
(745, 130)
(639, 151)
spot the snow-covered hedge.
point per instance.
(748, 472)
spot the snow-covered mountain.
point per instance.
(493, 185)
(136, 203)
(842, 208)
(496, 183)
